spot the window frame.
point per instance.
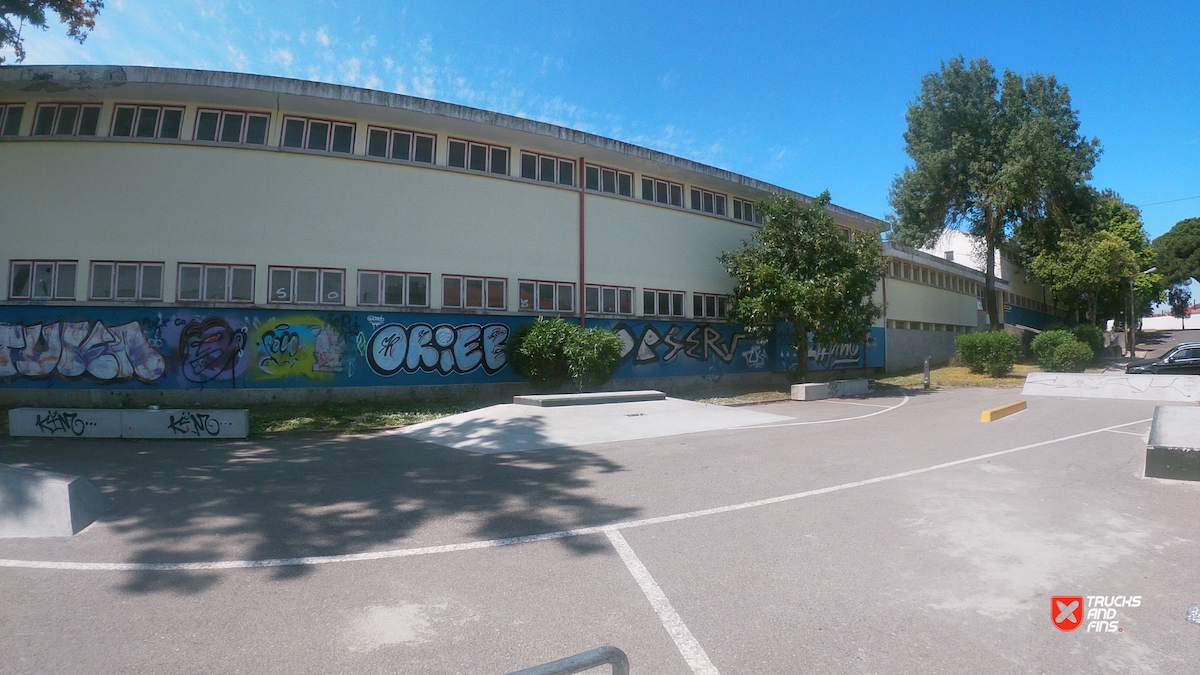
(540, 157)
(5, 121)
(204, 267)
(321, 271)
(221, 113)
(54, 123)
(158, 124)
(54, 279)
(406, 302)
(744, 206)
(720, 304)
(672, 294)
(329, 138)
(487, 160)
(486, 293)
(617, 175)
(139, 295)
(717, 198)
(556, 298)
(600, 288)
(391, 142)
(666, 186)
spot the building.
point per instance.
(176, 230)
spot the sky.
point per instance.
(808, 96)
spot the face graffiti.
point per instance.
(209, 350)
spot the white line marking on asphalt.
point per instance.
(840, 419)
(697, 659)
(1127, 433)
(491, 543)
(869, 405)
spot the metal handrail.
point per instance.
(581, 662)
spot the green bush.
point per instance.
(537, 353)
(1072, 356)
(1091, 336)
(592, 357)
(991, 352)
(547, 352)
(1047, 342)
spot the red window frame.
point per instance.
(407, 300)
(221, 112)
(557, 298)
(308, 134)
(33, 262)
(204, 267)
(412, 144)
(91, 280)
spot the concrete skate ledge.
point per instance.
(555, 400)
(1173, 450)
(127, 423)
(815, 391)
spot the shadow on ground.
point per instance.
(287, 497)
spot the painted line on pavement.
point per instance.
(1127, 433)
(869, 405)
(773, 425)
(697, 659)
(545, 536)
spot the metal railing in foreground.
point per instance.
(581, 662)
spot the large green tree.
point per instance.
(79, 15)
(1078, 269)
(995, 159)
(802, 269)
(1179, 252)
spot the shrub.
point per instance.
(1072, 356)
(546, 352)
(1048, 341)
(537, 353)
(1091, 336)
(592, 356)
(991, 352)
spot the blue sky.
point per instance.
(810, 96)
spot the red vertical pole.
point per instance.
(581, 244)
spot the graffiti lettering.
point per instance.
(194, 424)
(825, 357)
(700, 342)
(75, 349)
(56, 421)
(444, 348)
(279, 346)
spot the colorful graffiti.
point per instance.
(306, 346)
(699, 341)
(210, 349)
(79, 349)
(444, 348)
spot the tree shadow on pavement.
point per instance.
(289, 497)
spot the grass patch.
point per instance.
(346, 418)
(957, 376)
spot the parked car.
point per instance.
(1182, 359)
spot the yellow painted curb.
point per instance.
(1003, 411)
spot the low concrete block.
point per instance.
(1173, 450)
(815, 391)
(64, 422)
(43, 504)
(1183, 388)
(185, 423)
(554, 400)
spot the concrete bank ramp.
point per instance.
(1173, 450)
(512, 428)
(43, 504)
(1181, 388)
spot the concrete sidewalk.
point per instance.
(513, 428)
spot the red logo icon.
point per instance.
(1066, 611)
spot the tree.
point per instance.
(1077, 269)
(801, 268)
(1180, 299)
(1179, 252)
(995, 160)
(79, 15)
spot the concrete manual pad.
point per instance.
(513, 428)
(1173, 450)
(44, 504)
(1182, 388)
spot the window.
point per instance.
(662, 191)
(709, 306)
(230, 126)
(742, 209)
(612, 181)
(119, 280)
(708, 202)
(10, 119)
(478, 157)
(608, 299)
(409, 146)
(463, 292)
(662, 303)
(306, 285)
(310, 134)
(215, 283)
(66, 119)
(396, 289)
(146, 121)
(41, 280)
(547, 169)
(546, 296)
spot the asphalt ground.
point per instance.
(915, 540)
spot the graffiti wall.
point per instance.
(830, 357)
(182, 348)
